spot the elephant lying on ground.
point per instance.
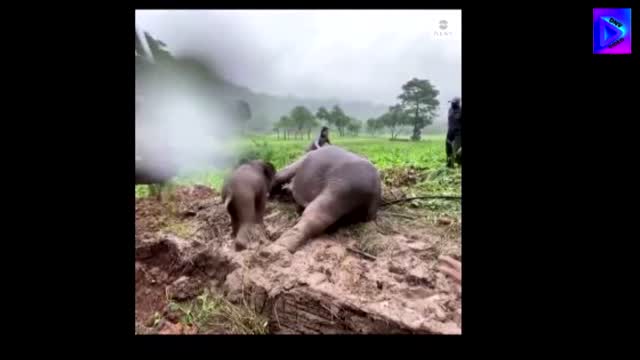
(331, 184)
(245, 195)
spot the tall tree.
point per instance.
(279, 125)
(301, 117)
(290, 126)
(284, 124)
(338, 118)
(379, 125)
(354, 126)
(420, 103)
(158, 49)
(372, 126)
(310, 125)
(393, 120)
(323, 114)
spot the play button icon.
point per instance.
(608, 32)
(611, 31)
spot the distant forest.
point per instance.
(266, 111)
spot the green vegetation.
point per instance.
(426, 156)
(210, 312)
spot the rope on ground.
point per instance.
(362, 253)
(444, 197)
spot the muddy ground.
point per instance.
(377, 277)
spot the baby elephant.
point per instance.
(245, 195)
(331, 184)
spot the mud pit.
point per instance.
(368, 278)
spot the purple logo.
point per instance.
(612, 31)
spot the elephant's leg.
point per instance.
(372, 211)
(260, 204)
(321, 213)
(229, 204)
(243, 209)
(235, 225)
(285, 175)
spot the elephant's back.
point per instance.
(332, 164)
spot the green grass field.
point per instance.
(427, 156)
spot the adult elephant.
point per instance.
(330, 185)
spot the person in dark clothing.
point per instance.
(454, 133)
(322, 139)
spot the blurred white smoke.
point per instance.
(182, 124)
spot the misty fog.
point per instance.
(357, 55)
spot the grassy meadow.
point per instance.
(425, 160)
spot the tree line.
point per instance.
(417, 106)
(301, 120)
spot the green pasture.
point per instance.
(427, 155)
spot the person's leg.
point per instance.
(457, 149)
(449, 150)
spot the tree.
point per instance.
(354, 126)
(158, 49)
(378, 125)
(374, 126)
(310, 125)
(371, 127)
(301, 117)
(338, 118)
(393, 120)
(243, 112)
(284, 124)
(323, 114)
(290, 126)
(419, 102)
(279, 125)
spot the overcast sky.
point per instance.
(347, 54)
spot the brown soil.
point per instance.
(377, 277)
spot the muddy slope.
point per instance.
(369, 278)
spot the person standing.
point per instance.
(321, 140)
(454, 133)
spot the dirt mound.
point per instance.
(377, 277)
(170, 268)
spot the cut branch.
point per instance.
(444, 197)
(362, 253)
